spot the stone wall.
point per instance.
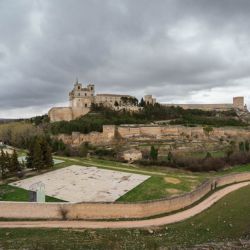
(131, 132)
(206, 107)
(31, 210)
(60, 114)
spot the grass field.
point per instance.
(164, 182)
(10, 193)
(228, 220)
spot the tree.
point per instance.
(247, 146)
(47, 159)
(15, 165)
(142, 103)
(170, 156)
(37, 162)
(116, 104)
(3, 168)
(154, 153)
(242, 146)
(29, 157)
(208, 155)
(40, 154)
(207, 130)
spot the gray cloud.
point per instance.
(173, 49)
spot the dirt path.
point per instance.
(180, 216)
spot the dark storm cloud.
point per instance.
(169, 48)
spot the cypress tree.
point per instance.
(47, 158)
(2, 164)
(29, 157)
(37, 162)
(247, 146)
(242, 146)
(154, 153)
(15, 165)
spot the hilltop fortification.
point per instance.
(82, 98)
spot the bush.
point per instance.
(195, 164)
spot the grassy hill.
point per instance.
(100, 116)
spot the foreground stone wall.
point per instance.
(31, 210)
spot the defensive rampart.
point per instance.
(29, 210)
(130, 132)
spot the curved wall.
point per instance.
(31, 210)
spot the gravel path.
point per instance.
(180, 216)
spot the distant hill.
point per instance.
(6, 120)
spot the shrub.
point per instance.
(201, 165)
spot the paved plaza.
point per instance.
(85, 184)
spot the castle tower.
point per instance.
(91, 88)
(81, 99)
(149, 99)
(238, 102)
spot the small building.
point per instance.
(131, 155)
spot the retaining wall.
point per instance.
(30, 210)
(111, 132)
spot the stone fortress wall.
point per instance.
(111, 133)
(81, 98)
(117, 210)
(238, 103)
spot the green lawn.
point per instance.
(156, 187)
(203, 154)
(227, 220)
(10, 193)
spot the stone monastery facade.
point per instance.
(81, 99)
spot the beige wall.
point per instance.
(207, 107)
(111, 132)
(60, 114)
(30, 210)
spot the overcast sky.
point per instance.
(195, 51)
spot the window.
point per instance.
(86, 105)
(79, 94)
(85, 94)
(79, 87)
